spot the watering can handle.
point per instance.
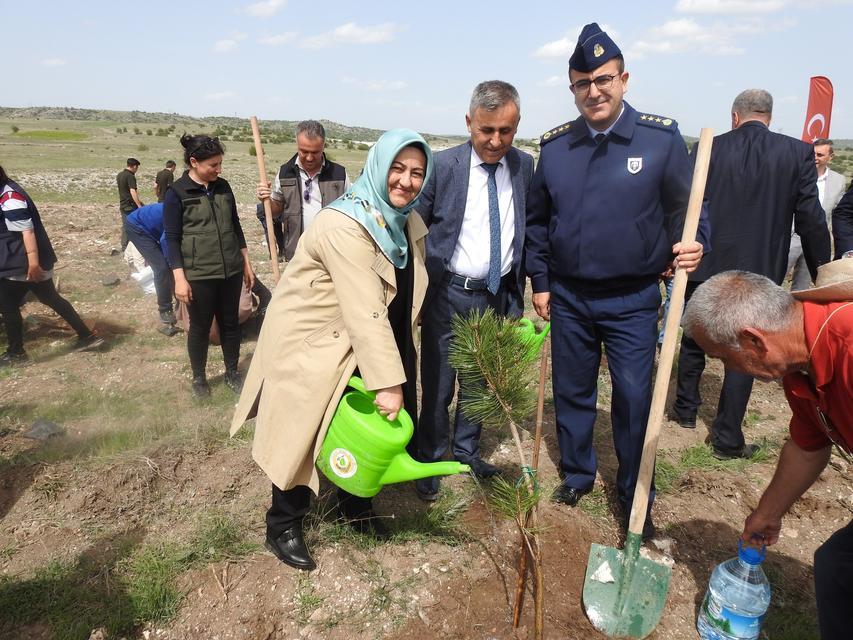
(358, 384)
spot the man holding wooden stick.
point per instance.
(604, 220)
(304, 184)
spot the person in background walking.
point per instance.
(26, 264)
(128, 196)
(165, 178)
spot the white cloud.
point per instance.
(555, 81)
(376, 85)
(687, 35)
(565, 46)
(228, 44)
(223, 46)
(54, 62)
(219, 95)
(729, 6)
(352, 33)
(279, 39)
(265, 9)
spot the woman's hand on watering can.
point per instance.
(389, 401)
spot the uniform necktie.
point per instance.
(493, 280)
(599, 138)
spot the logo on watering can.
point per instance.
(342, 463)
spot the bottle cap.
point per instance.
(751, 555)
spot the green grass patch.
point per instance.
(305, 598)
(792, 614)
(118, 587)
(594, 504)
(440, 522)
(669, 471)
(667, 475)
(53, 136)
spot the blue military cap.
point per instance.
(594, 48)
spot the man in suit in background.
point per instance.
(842, 224)
(758, 183)
(474, 206)
(830, 188)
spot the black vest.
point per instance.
(330, 180)
(209, 245)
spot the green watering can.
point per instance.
(527, 331)
(363, 450)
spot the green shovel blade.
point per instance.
(624, 593)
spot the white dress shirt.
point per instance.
(471, 256)
(821, 186)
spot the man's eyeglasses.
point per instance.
(834, 436)
(601, 83)
(307, 194)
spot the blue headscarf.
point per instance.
(367, 200)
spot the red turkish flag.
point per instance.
(819, 111)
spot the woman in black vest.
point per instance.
(208, 254)
(26, 264)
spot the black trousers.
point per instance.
(438, 378)
(220, 299)
(12, 293)
(289, 507)
(833, 576)
(727, 428)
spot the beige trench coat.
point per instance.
(328, 314)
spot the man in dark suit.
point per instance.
(842, 224)
(758, 181)
(474, 206)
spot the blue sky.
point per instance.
(388, 64)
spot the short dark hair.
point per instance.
(311, 128)
(133, 162)
(823, 141)
(3, 177)
(201, 147)
(170, 164)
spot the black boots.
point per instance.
(200, 387)
(234, 380)
(290, 548)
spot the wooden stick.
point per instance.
(521, 573)
(670, 334)
(262, 173)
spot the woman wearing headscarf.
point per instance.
(349, 300)
(26, 265)
(208, 255)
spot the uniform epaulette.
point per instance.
(556, 132)
(661, 122)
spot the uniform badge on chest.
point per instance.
(635, 165)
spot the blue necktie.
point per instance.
(493, 281)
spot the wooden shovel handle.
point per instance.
(670, 335)
(262, 173)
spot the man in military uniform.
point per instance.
(604, 219)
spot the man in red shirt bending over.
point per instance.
(805, 338)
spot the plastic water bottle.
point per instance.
(737, 598)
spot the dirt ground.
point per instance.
(90, 495)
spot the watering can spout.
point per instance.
(404, 468)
